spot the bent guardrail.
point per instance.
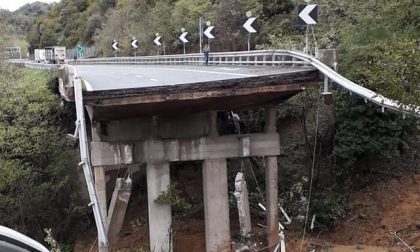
(76, 81)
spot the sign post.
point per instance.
(200, 28)
(182, 37)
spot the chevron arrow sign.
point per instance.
(182, 37)
(248, 26)
(115, 45)
(157, 41)
(207, 32)
(135, 44)
(308, 13)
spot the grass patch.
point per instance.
(28, 78)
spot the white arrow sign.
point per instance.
(182, 37)
(156, 41)
(248, 26)
(115, 45)
(135, 44)
(207, 32)
(306, 14)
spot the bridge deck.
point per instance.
(220, 94)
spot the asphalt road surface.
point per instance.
(108, 77)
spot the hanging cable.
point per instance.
(312, 178)
(235, 118)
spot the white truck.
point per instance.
(55, 54)
(40, 55)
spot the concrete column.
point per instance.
(241, 194)
(100, 177)
(160, 216)
(100, 187)
(118, 208)
(216, 205)
(271, 188)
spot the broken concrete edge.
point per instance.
(285, 78)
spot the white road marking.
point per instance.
(139, 76)
(154, 80)
(227, 69)
(196, 71)
(88, 85)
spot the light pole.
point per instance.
(248, 15)
(200, 31)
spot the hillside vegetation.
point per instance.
(17, 23)
(38, 187)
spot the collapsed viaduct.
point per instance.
(146, 117)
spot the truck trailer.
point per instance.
(40, 55)
(55, 54)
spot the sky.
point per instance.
(13, 5)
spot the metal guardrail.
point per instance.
(76, 81)
(361, 91)
(254, 58)
(39, 66)
(31, 64)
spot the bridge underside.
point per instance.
(151, 127)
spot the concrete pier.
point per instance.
(160, 216)
(216, 205)
(118, 209)
(271, 180)
(100, 187)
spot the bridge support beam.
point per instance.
(160, 216)
(271, 180)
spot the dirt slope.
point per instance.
(378, 212)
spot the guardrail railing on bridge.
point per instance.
(254, 58)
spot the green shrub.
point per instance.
(38, 185)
